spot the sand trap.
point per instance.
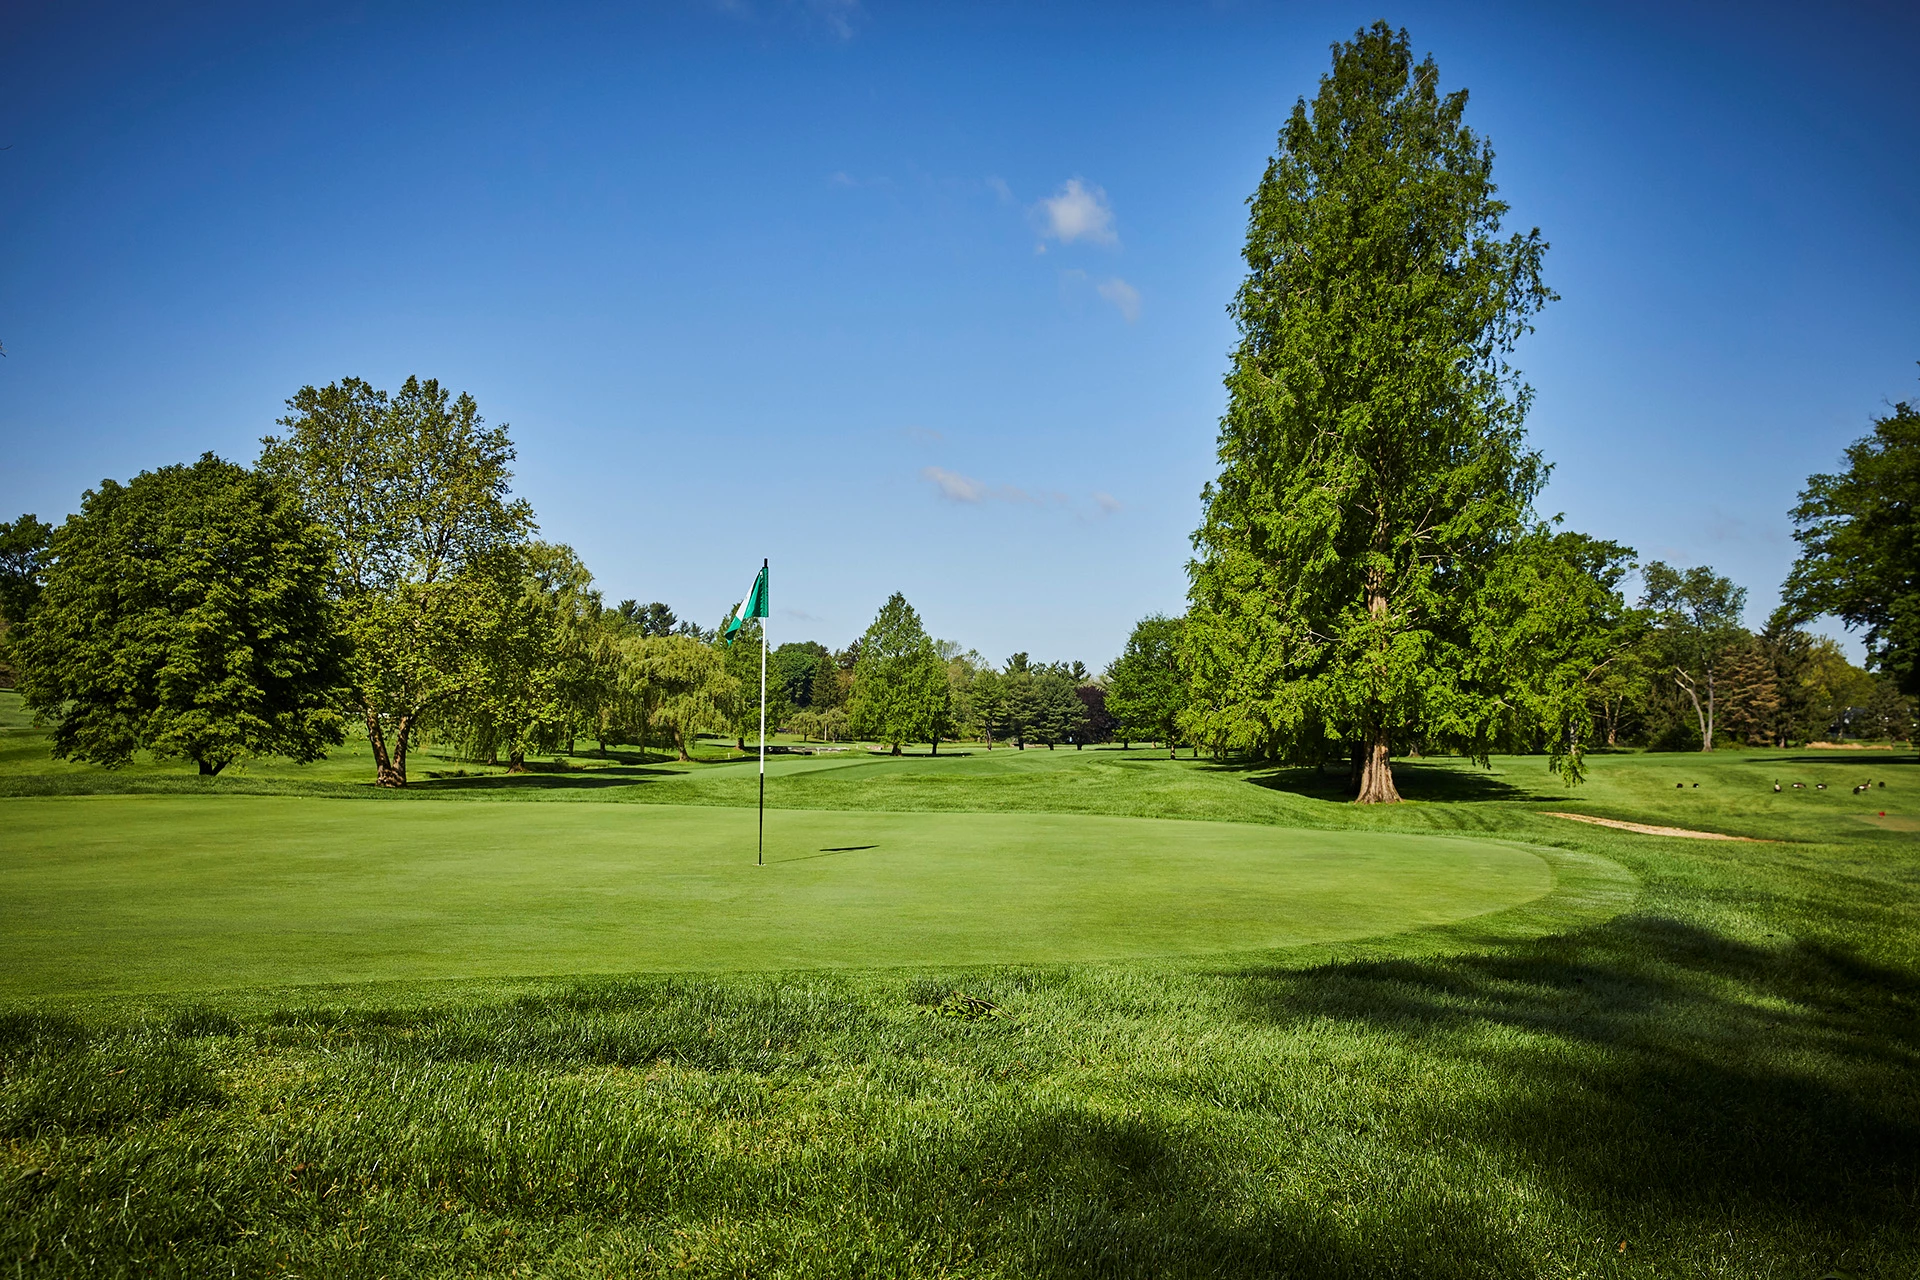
(1646, 830)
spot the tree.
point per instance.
(1373, 466)
(654, 619)
(691, 691)
(413, 487)
(1146, 688)
(185, 613)
(900, 691)
(1859, 535)
(535, 677)
(23, 562)
(1696, 619)
(743, 667)
(1751, 693)
(988, 695)
(1058, 714)
(1097, 724)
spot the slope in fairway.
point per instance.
(165, 893)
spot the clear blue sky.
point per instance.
(925, 298)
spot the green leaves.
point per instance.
(1373, 468)
(1860, 545)
(900, 690)
(186, 613)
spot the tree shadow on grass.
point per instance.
(1661, 1068)
(586, 780)
(1415, 780)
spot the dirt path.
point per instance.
(1646, 830)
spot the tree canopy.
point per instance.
(900, 692)
(1373, 465)
(1146, 690)
(1859, 534)
(185, 613)
(414, 488)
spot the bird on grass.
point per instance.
(1819, 786)
(1776, 786)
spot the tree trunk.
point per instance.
(516, 760)
(400, 752)
(385, 772)
(935, 749)
(1376, 772)
(895, 751)
(1707, 744)
(207, 768)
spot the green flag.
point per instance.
(754, 606)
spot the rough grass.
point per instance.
(1719, 1081)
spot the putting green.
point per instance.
(155, 893)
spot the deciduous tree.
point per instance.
(1696, 619)
(414, 488)
(185, 613)
(1859, 534)
(1147, 690)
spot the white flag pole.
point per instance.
(760, 858)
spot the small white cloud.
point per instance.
(953, 486)
(999, 187)
(1124, 297)
(1078, 212)
(836, 15)
(925, 435)
(1107, 503)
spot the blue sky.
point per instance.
(924, 298)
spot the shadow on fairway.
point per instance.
(1415, 781)
(594, 779)
(824, 853)
(1655, 1064)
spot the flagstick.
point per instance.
(760, 857)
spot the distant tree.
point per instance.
(1020, 708)
(1750, 692)
(1888, 714)
(743, 666)
(900, 691)
(1097, 724)
(535, 678)
(1859, 534)
(1147, 691)
(691, 691)
(988, 696)
(831, 680)
(23, 561)
(1373, 463)
(654, 619)
(1058, 714)
(185, 613)
(1696, 621)
(792, 669)
(24, 548)
(413, 487)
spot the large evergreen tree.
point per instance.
(185, 613)
(900, 691)
(1373, 467)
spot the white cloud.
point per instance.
(955, 487)
(923, 435)
(999, 187)
(1107, 503)
(1078, 212)
(1124, 297)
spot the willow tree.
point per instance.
(1373, 464)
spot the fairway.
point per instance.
(129, 893)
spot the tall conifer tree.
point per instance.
(1373, 466)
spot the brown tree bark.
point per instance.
(389, 769)
(1376, 771)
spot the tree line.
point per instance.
(371, 572)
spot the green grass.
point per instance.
(1709, 1072)
(171, 893)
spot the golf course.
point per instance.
(1089, 1012)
